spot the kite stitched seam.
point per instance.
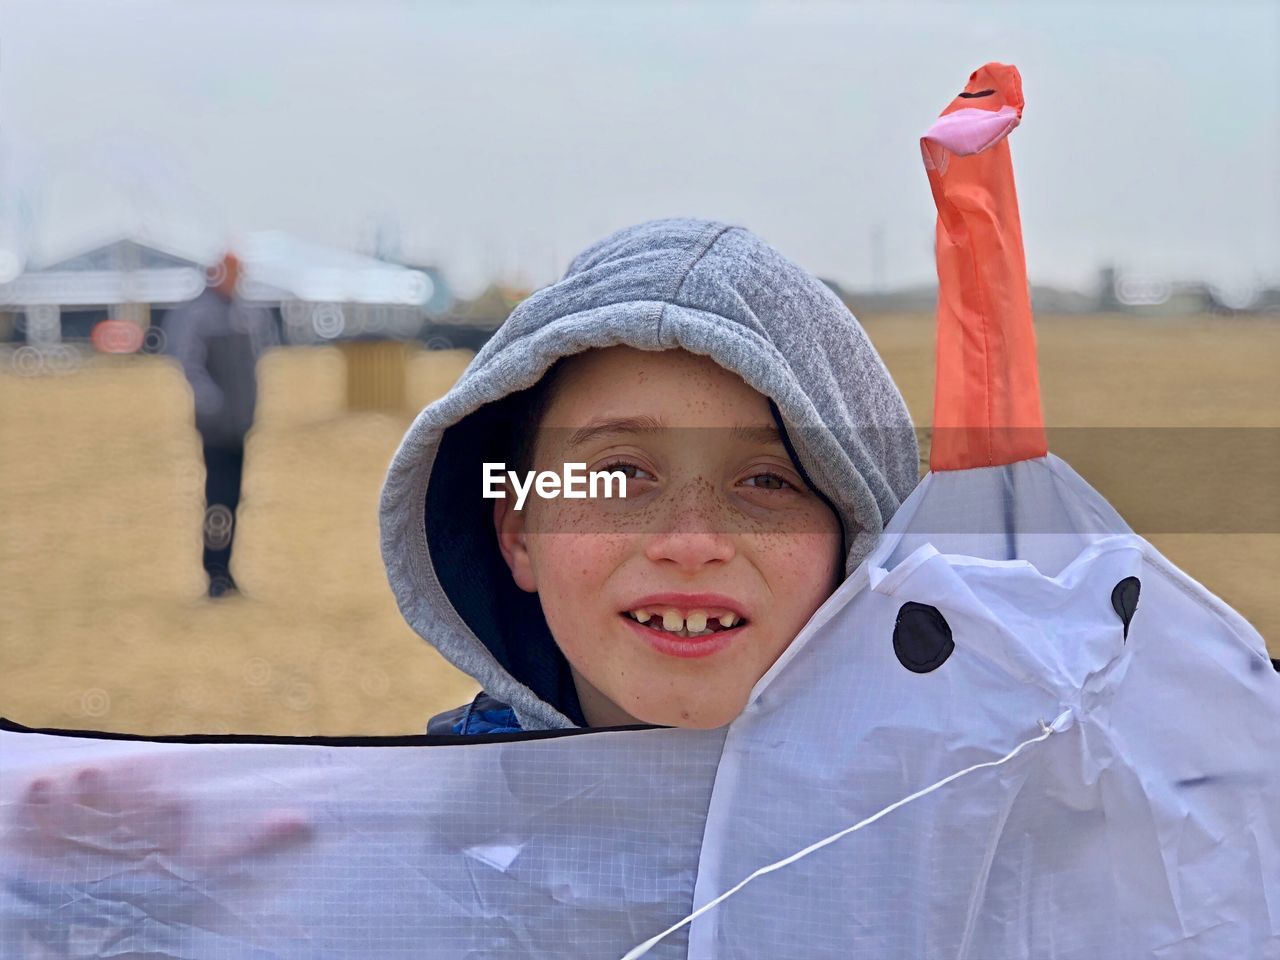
(986, 347)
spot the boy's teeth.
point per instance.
(675, 622)
(695, 624)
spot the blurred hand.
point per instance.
(103, 859)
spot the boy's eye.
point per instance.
(771, 481)
(626, 468)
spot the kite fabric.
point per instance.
(1015, 731)
(986, 402)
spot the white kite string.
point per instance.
(1048, 729)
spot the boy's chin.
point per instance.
(694, 716)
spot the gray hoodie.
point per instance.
(704, 287)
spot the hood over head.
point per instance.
(705, 287)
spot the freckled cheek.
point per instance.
(574, 572)
(799, 568)
(575, 565)
(584, 517)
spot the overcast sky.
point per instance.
(502, 137)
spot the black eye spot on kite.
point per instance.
(921, 637)
(980, 93)
(1124, 600)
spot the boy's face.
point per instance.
(708, 510)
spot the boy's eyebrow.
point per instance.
(605, 426)
(762, 435)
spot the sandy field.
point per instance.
(103, 619)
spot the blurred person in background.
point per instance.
(218, 338)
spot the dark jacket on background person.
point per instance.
(218, 342)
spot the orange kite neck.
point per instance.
(986, 408)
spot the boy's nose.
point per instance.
(690, 549)
(694, 531)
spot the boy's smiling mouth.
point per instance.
(692, 626)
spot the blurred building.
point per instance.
(1156, 296)
(123, 279)
(321, 294)
(1116, 293)
(325, 294)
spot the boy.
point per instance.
(764, 445)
